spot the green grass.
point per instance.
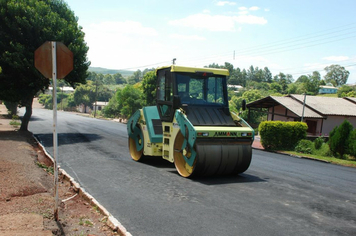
(49, 169)
(15, 123)
(351, 162)
(324, 154)
(85, 222)
(327, 95)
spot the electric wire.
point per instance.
(290, 44)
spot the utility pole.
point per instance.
(96, 96)
(174, 61)
(305, 96)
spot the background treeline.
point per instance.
(126, 94)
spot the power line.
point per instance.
(303, 41)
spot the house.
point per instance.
(64, 89)
(327, 89)
(321, 114)
(98, 106)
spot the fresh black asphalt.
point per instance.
(277, 195)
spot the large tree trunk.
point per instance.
(27, 116)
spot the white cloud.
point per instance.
(336, 58)
(217, 22)
(243, 8)
(187, 37)
(254, 8)
(223, 3)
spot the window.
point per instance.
(195, 89)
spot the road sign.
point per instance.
(54, 60)
(44, 62)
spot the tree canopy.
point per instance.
(24, 26)
(336, 74)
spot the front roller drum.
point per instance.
(183, 168)
(213, 158)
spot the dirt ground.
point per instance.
(26, 187)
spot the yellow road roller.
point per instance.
(191, 124)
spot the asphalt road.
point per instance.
(277, 195)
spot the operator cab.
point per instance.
(200, 92)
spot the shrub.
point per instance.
(318, 142)
(304, 146)
(340, 138)
(281, 135)
(352, 144)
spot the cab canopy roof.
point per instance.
(187, 69)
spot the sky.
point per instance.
(288, 36)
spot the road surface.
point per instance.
(277, 195)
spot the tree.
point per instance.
(130, 100)
(85, 94)
(343, 91)
(149, 88)
(267, 75)
(104, 94)
(119, 79)
(113, 108)
(339, 138)
(24, 26)
(336, 74)
(109, 79)
(135, 78)
(235, 105)
(315, 80)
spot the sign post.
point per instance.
(54, 60)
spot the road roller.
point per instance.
(191, 124)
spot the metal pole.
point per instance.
(305, 96)
(55, 136)
(96, 97)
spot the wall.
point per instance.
(332, 121)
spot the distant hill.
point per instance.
(105, 71)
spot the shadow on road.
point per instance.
(67, 138)
(228, 179)
(158, 162)
(34, 118)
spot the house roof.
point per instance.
(328, 87)
(315, 107)
(297, 108)
(289, 103)
(351, 99)
(98, 103)
(328, 105)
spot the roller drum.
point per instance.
(222, 159)
(216, 157)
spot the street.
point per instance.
(277, 195)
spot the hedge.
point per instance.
(279, 135)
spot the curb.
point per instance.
(112, 222)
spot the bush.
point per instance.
(304, 146)
(340, 139)
(281, 135)
(352, 144)
(318, 142)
